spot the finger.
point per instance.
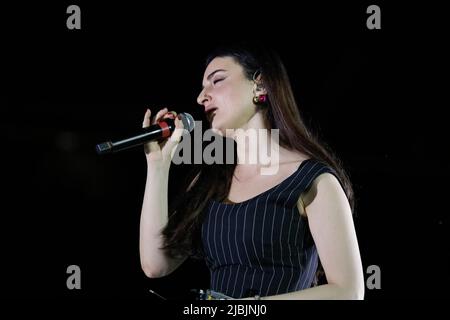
(178, 132)
(146, 122)
(153, 145)
(171, 115)
(160, 113)
(176, 136)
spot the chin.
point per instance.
(217, 131)
(221, 129)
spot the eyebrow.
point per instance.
(212, 74)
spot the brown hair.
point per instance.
(182, 233)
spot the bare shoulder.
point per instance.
(324, 189)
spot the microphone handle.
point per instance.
(151, 133)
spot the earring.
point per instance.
(260, 100)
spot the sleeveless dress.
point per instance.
(262, 246)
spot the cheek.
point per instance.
(242, 95)
(237, 107)
(237, 100)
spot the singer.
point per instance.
(289, 235)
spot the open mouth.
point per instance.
(210, 114)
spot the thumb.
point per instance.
(176, 136)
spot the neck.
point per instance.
(257, 147)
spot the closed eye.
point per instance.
(218, 80)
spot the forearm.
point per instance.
(322, 292)
(154, 217)
(155, 204)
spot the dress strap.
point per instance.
(309, 170)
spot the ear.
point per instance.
(259, 87)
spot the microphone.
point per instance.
(158, 131)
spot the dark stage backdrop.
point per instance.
(363, 91)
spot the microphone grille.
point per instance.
(188, 121)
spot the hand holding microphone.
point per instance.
(159, 137)
(161, 150)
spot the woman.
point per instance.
(264, 236)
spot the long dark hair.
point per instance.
(182, 233)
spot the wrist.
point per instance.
(158, 163)
(158, 166)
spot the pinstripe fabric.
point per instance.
(262, 245)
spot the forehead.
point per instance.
(225, 63)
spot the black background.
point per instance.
(370, 94)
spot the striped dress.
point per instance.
(262, 245)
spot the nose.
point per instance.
(203, 98)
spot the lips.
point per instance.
(211, 113)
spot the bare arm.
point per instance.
(154, 216)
